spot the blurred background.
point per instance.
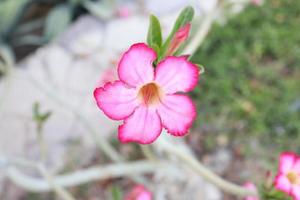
(53, 53)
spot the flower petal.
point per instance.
(116, 100)
(250, 186)
(139, 192)
(296, 192)
(176, 74)
(286, 161)
(177, 113)
(296, 166)
(143, 126)
(135, 66)
(282, 183)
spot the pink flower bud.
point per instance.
(250, 186)
(123, 12)
(179, 38)
(139, 192)
(257, 2)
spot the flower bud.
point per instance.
(179, 38)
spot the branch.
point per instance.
(193, 163)
(82, 176)
(103, 144)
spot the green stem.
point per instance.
(41, 141)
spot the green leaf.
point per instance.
(201, 67)
(38, 116)
(7, 58)
(57, 20)
(184, 17)
(101, 9)
(7, 55)
(154, 38)
(116, 193)
(10, 11)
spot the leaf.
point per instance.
(10, 11)
(38, 116)
(201, 67)
(100, 9)
(57, 20)
(7, 58)
(154, 37)
(185, 16)
(116, 193)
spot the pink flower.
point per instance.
(288, 176)
(147, 99)
(252, 187)
(180, 37)
(139, 192)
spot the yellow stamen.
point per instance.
(293, 177)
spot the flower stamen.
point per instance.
(150, 93)
(293, 177)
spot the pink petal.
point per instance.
(143, 126)
(286, 161)
(176, 74)
(296, 166)
(116, 100)
(179, 38)
(250, 186)
(144, 196)
(296, 192)
(177, 112)
(282, 183)
(135, 67)
(139, 192)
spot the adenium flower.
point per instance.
(139, 192)
(179, 38)
(250, 186)
(288, 176)
(147, 99)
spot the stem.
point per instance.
(83, 176)
(194, 164)
(103, 144)
(41, 141)
(60, 191)
(10, 162)
(146, 149)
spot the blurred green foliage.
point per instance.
(270, 193)
(36, 22)
(251, 87)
